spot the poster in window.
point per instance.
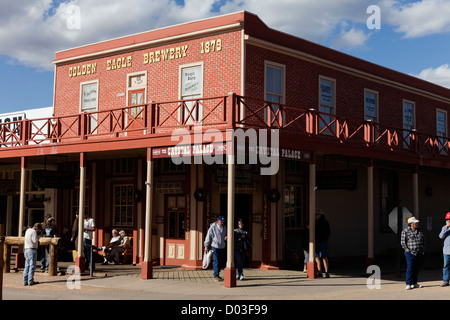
(326, 93)
(89, 100)
(191, 82)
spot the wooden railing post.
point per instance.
(2, 241)
(311, 122)
(24, 131)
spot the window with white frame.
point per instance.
(371, 105)
(327, 103)
(89, 102)
(191, 78)
(274, 91)
(409, 121)
(441, 129)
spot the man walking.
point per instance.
(444, 235)
(216, 237)
(30, 253)
(412, 241)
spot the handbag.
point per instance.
(207, 257)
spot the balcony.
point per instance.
(301, 128)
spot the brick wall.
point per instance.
(302, 90)
(222, 73)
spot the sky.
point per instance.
(405, 35)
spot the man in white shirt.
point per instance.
(30, 253)
(88, 236)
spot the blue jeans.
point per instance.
(87, 253)
(238, 260)
(30, 265)
(412, 267)
(218, 260)
(446, 269)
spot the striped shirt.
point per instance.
(413, 241)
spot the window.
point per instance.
(191, 77)
(123, 204)
(441, 129)
(409, 121)
(371, 105)
(274, 91)
(293, 207)
(327, 104)
(136, 91)
(176, 217)
(89, 102)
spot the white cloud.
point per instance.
(32, 30)
(417, 19)
(351, 39)
(439, 75)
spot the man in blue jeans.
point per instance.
(30, 254)
(444, 235)
(412, 241)
(216, 237)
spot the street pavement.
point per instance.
(123, 282)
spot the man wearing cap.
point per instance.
(412, 241)
(445, 235)
(216, 237)
(30, 253)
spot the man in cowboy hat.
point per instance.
(413, 242)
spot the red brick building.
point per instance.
(355, 139)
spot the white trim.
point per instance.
(156, 42)
(180, 84)
(97, 81)
(283, 78)
(339, 67)
(145, 86)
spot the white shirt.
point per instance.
(31, 239)
(88, 223)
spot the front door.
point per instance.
(175, 231)
(135, 115)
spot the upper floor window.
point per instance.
(409, 121)
(191, 78)
(327, 103)
(371, 105)
(441, 129)
(89, 103)
(274, 92)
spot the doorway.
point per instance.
(242, 210)
(175, 232)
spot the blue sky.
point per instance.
(413, 38)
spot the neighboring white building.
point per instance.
(10, 175)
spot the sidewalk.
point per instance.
(172, 283)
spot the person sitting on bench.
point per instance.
(115, 241)
(124, 244)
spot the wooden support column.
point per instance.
(2, 241)
(230, 270)
(416, 191)
(311, 265)
(370, 225)
(22, 196)
(79, 261)
(147, 264)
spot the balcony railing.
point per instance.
(224, 112)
